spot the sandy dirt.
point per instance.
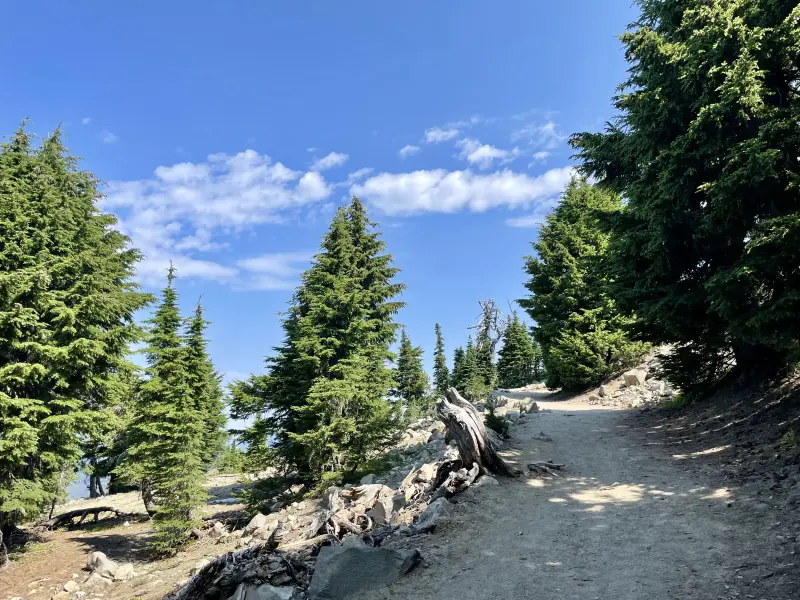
(627, 521)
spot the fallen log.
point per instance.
(69, 517)
(475, 444)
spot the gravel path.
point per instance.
(625, 522)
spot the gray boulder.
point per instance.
(265, 591)
(99, 563)
(635, 377)
(218, 530)
(368, 479)
(257, 522)
(437, 512)
(97, 581)
(124, 572)
(352, 571)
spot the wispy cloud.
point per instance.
(107, 137)
(436, 135)
(543, 136)
(407, 150)
(484, 155)
(86, 120)
(180, 213)
(358, 175)
(334, 159)
(451, 191)
(277, 271)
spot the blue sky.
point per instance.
(227, 133)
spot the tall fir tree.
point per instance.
(412, 381)
(583, 335)
(704, 150)
(206, 387)
(519, 360)
(167, 431)
(441, 374)
(67, 300)
(456, 376)
(484, 359)
(322, 408)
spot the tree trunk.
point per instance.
(3, 552)
(475, 444)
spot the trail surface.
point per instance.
(627, 521)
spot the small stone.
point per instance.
(71, 586)
(61, 596)
(256, 522)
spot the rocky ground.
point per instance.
(655, 500)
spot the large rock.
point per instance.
(124, 572)
(353, 571)
(97, 581)
(368, 479)
(368, 494)
(635, 377)
(217, 531)
(99, 563)
(609, 388)
(71, 586)
(257, 522)
(437, 512)
(386, 507)
(265, 591)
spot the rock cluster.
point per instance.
(637, 388)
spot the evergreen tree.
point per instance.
(457, 377)
(206, 385)
(517, 365)
(704, 151)
(165, 456)
(582, 333)
(322, 408)
(484, 359)
(412, 381)
(441, 375)
(67, 300)
(467, 376)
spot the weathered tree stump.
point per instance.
(475, 444)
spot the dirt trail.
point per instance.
(626, 522)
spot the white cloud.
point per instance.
(541, 156)
(183, 209)
(358, 175)
(407, 150)
(544, 136)
(311, 149)
(86, 120)
(334, 159)
(436, 135)
(277, 271)
(526, 221)
(451, 191)
(484, 155)
(107, 137)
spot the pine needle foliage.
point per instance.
(67, 300)
(411, 380)
(323, 407)
(704, 150)
(441, 374)
(583, 335)
(206, 388)
(165, 456)
(519, 361)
